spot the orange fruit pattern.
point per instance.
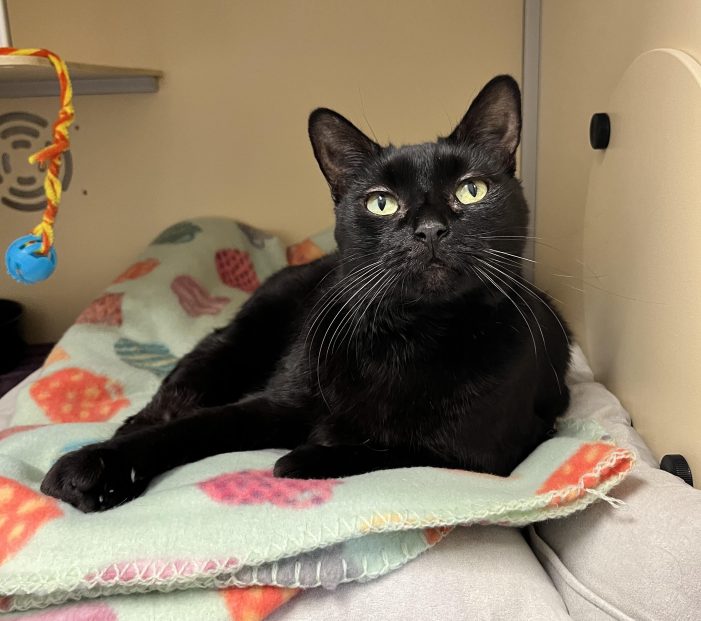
(434, 535)
(74, 395)
(582, 463)
(56, 355)
(137, 270)
(255, 603)
(106, 310)
(22, 513)
(303, 252)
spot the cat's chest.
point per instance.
(394, 403)
(421, 372)
(455, 350)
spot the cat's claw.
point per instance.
(93, 478)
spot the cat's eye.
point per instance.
(382, 204)
(471, 191)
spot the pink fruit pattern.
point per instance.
(195, 299)
(76, 612)
(105, 310)
(236, 269)
(257, 487)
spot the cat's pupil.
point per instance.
(472, 188)
(381, 202)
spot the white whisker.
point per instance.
(347, 318)
(508, 297)
(535, 317)
(537, 297)
(367, 303)
(515, 256)
(366, 278)
(335, 293)
(379, 304)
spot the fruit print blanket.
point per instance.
(222, 538)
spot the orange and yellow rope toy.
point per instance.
(24, 261)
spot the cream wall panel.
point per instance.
(586, 46)
(647, 349)
(227, 133)
(641, 238)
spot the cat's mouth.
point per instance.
(436, 275)
(435, 263)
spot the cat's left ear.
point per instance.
(340, 148)
(494, 119)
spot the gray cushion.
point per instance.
(640, 561)
(483, 572)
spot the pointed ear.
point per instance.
(494, 119)
(340, 148)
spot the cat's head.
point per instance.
(428, 216)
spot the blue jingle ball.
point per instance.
(25, 264)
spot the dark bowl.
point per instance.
(11, 343)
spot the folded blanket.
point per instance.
(225, 522)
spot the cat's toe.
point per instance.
(288, 467)
(94, 478)
(304, 462)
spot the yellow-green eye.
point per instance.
(471, 191)
(382, 204)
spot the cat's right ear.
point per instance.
(340, 148)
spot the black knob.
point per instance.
(678, 466)
(599, 130)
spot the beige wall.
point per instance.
(586, 47)
(227, 133)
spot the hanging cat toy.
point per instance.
(32, 258)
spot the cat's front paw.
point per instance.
(308, 461)
(93, 478)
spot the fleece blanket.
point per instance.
(222, 538)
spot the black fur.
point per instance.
(417, 343)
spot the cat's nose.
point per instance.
(431, 231)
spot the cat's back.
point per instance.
(299, 280)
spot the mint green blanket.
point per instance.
(225, 522)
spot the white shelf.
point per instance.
(30, 76)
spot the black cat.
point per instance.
(417, 344)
